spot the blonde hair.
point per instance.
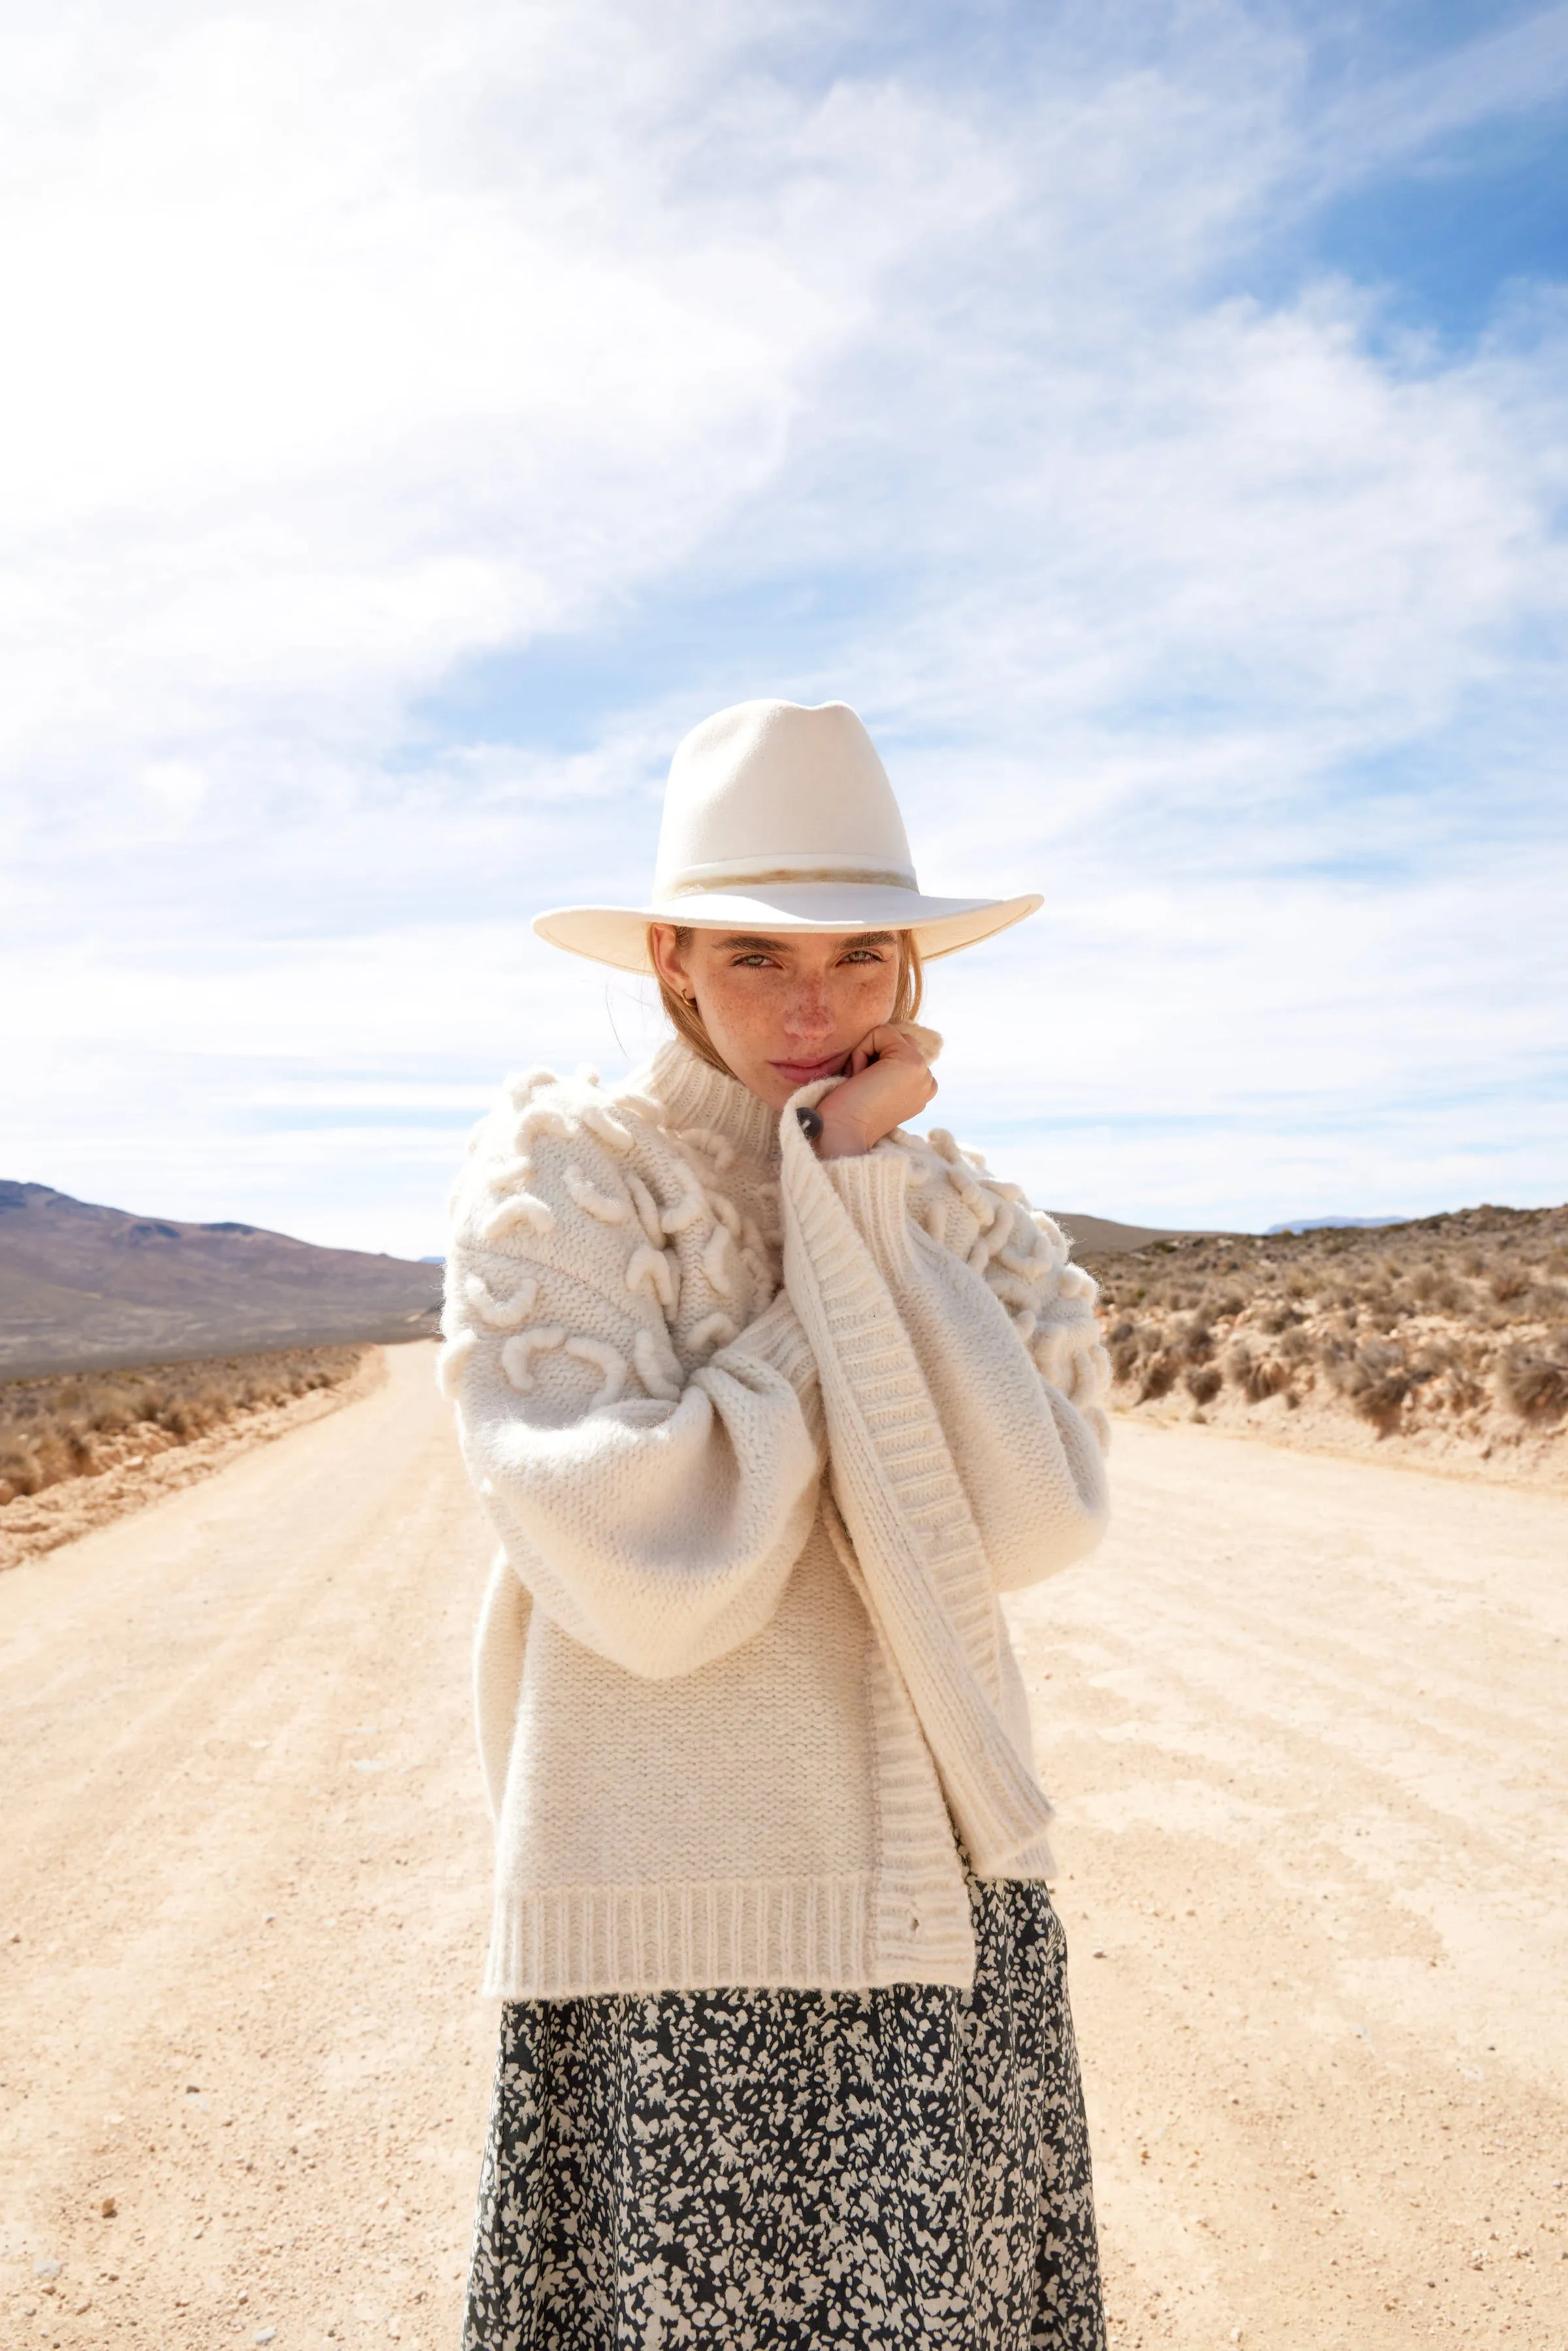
(687, 1021)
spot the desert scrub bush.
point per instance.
(1257, 1376)
(1464, 1314)
(1197, 1340)
(74, 1425)
(1203, 1382)
(1533, 1384)
(1374, 1379)
(1279, 1317)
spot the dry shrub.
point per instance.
(1196, 1340)
(66, 1426)
(1375, 1380)
(1464, 1313)
(1257, 1376)
(1533, 1386)
(1275, 1319)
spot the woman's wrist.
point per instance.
(833, 1138)
(831, 1134)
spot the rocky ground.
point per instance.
(1442, 1343)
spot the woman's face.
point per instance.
(782, 1011)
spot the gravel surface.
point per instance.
(1302, 1721)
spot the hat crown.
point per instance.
(775, 790)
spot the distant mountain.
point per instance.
(1339, 1223)
(1101, 1236)
(81, 1285)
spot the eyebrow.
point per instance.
(855, 939)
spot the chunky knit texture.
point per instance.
(763, 1437)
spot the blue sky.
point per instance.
(1153, 420)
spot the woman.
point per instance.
(769, 1398)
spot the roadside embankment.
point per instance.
(1441, 1345)
(78, 1449)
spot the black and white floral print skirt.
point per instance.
(904, 2169)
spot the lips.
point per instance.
(801, 1073)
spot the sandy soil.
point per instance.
(1302, 1721)
(1493, 1449)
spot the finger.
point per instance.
(894, 1045)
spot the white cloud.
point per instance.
(357, 349)
(1520, 70)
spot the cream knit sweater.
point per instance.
(763, 1437)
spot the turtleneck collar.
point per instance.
(694, 1094)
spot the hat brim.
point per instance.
(619, 934)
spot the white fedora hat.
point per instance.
(779, 817)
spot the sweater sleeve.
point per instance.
(653, 1508)
(1004, 1332)
(876, 1316)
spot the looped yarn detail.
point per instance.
(652, 1268)
(691, 1204)
(451, 1361)
(607, 1129)
(647, 1209)
(659, 1373)
(726, 1212)
(518, 1353)
(716, 1148)
(640, 1105)
(519, 1089)
(542, 1118)
(607, 1361)
(713, 1271)
(501, 1314)
(593, 1202)
(524, 1209)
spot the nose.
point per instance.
(807, 1015)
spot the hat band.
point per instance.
(887, 878)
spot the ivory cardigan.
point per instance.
(763, 1437)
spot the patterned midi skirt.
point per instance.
(904, 2169)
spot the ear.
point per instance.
(667, 959)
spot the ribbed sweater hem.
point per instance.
(813, 1934)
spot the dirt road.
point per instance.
(1304, 1722)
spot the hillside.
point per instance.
(1444, 1340)
(83, 1287)
(1102, 1236)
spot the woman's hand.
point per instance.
(889, 1081)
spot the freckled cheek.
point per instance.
(875, 993)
